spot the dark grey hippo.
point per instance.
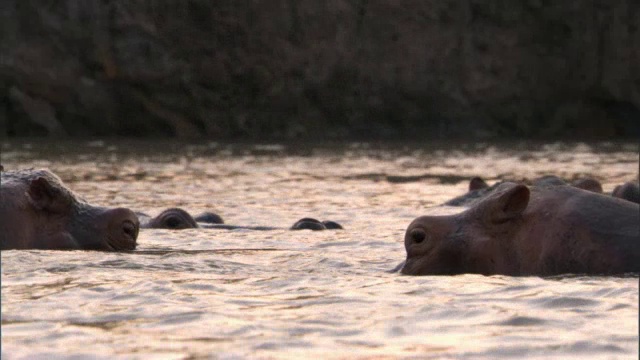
(628, 191)
(314, 224)
(517, 230)
(479, 189)
(177, 219)
(172, 218)
(37, 211)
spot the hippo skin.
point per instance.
(314, 224)
(177, 219)
(479, 189)
(37, 211)
(628, 191)
(172, 218)
(520, 231)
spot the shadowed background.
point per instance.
(280, 69)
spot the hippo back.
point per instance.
(19, 181)
(473, 196)
(612, 223)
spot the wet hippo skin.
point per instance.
(588, 184)
(37, 211)
(628, 191)
(529, 231)
(209, 218)
(172, 218)
(477, 183)
(479, 189)
(177, 219)
(314, 224)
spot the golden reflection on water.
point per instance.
(283, 294)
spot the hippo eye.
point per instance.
(418, 235)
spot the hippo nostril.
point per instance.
(130, 229)
(418, 235)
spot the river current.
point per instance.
(234, 294)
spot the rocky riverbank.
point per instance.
(306, 68)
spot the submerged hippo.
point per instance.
(479, 189)
(628, 191)
(177, 219)
(477, 183)
(314, 224)
(209, 218)
(37, 211)
(173, 218)
(521, 231)
(588, 184)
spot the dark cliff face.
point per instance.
(335, 68)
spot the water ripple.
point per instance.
(210, 293)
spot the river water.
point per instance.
(207, 293)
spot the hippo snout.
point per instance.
(123, 229)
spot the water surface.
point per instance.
(204, 293)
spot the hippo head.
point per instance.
(209, 218)
(628, 191)
(588, 184)
(308, 223)
(173, 218)
(477, 183)
(467, 242)
(38, 212)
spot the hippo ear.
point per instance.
(509, 204)
(43, 195)
(477, 183)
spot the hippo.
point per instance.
(479, 189)
(172, 218)
(628, 191)
(304, 223)
(209, 218)
(37, 211)
(521, 231)
(548, 180)
(477, 183)
(314, 224)
(177, 219)
(588, 184)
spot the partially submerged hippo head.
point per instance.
(172, 218)
(521, 231)
(479, 189)
(589, 184)
(37, 211)
(178, 219)
(628, 191)
(209, 218)
(477, 183)
(315, 224)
